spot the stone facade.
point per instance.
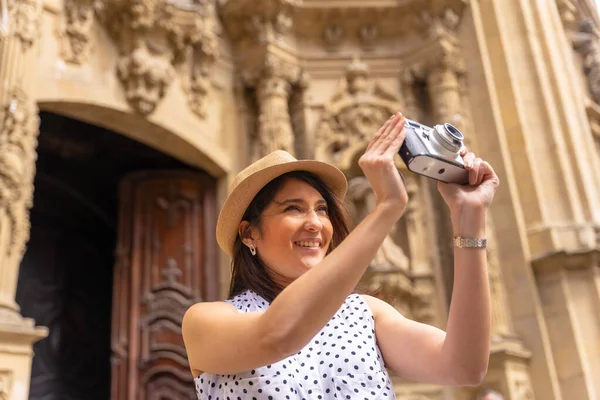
(219, 84)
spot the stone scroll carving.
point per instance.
(155, 37)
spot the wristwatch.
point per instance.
(462, 242)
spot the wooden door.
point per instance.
(165, 262)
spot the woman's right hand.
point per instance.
(378, 165)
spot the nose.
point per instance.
(313, 222)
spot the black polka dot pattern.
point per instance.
(341, 362)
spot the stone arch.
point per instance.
(197, 153)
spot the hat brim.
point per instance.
(240, 198)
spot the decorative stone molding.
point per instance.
(587, 42)
(79, 19)
(203, 57)
(273, 80)
(258, 21)
(333, 36)
(17, 168)
(569, 14)
(368, 35)
(354, 113)
(24, 14)
(156, 36)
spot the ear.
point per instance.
(247, 233)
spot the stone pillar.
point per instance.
(19, 127)
(537, 117)
(509, 359)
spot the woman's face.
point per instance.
(295, 230)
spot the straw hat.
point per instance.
(250, 181)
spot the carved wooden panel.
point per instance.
(166, 261)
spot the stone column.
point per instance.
(538, 120)
(19, 127)
(509, 359)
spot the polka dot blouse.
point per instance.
(342, 361)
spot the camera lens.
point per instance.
(455, 133)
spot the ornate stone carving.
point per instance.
(258, 21)
(145, 78)
(333, 36)
(273, 82)
(79, 18)
(360, 201)
(569, 14)
(368, 36)
(154, 37)
(352, 116)
(500, 314)
(204, 55)
(587, 42)
(23, 15)
(522, 389)
(265, 30)
(18, 141)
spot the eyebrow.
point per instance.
(290, 201)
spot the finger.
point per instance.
(474, 172)
(481, 173)
(380, 132)
(397, 141)
(384, 143)
(489, 173)
(463, 151)
(468, 160)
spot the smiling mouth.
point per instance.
(308, 244)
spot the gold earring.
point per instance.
(252, 249)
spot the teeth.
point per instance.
(308, 244)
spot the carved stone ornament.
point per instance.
(203, 56)
(258, 21)
(24, 15)
(333, 36)
(18, 141)
(352, 116)
(79, 19)
(587, 42)
(273, 80)
(569, 14)
(155, 37)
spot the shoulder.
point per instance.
(379, 308)
(203, 312)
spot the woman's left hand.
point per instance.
(478, 194)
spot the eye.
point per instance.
(292, 208)
(323, 209)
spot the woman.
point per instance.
(293, 329)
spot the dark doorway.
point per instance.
(66, 276)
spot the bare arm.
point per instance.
(424, 353)
(225, 342)
(460, 355)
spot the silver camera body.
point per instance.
(434, 152)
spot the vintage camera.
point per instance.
(434, 152)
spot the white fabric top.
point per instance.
(342, 361)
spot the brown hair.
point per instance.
(247, 271)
